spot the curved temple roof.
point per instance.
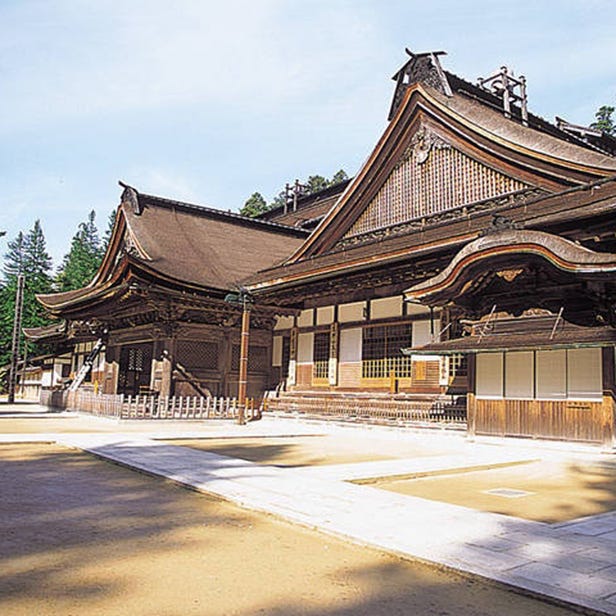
(506, 250)
(187, 246)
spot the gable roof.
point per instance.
(533, 156)
(184, 245)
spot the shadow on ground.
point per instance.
(84, 536)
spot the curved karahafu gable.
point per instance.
(506, 253)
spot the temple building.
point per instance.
(158, 302)
(470, 264)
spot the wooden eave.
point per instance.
(422, 104)
(508, 250)
(582, 337)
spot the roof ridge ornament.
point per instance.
(130, 195)
(422, 67)
(511, 89)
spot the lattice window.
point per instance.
(197, 354)
(457, 365)
(135, 360)
(381, 353)
(257, 358)
(445, 180)
(320, 366)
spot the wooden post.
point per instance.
(243, 376)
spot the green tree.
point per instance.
(110, 225)
(254, 205)
(339, 176)
(80, 264)
(315, 183)
(27, 255)
(604, 121)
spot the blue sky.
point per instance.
(209, 101)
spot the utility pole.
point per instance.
(19, 305)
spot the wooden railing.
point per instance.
(383, 368)
(320, 369)
(424, 411)
(149, 407)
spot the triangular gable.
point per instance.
(431, 177)
(439, 154)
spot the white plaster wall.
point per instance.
(386, 307)
(305, 343)
(277, 351)
(416, 309)
(306, 318)
(351, 312)
(325, 315)
(350, 345)
(283, 323)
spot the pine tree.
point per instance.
(254, 205)
(27, 255)
(110, 225)
(80, 264)
(339, 176)
(604, 121)
(315, 183)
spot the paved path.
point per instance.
(573, 562)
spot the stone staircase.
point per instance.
(370, 407)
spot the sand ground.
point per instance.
(315, 450)
(552, 491)
(82, 536)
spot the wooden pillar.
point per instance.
(243, 376)
(292, 377)
(332, 368)
(471, 401)
(609, 397)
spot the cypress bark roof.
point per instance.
(185, 245)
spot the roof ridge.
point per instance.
(228, 215)
(536, 122)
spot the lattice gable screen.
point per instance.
(431, 177)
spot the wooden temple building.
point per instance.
(158, 306)
(471, 259)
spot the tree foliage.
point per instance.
(604, 121)
(27, 254)
(110, 224)
(255, 205)
(80, 264)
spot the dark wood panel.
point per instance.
(551, 419)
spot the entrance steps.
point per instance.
(375, 407)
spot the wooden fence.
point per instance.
(433, 411)
(149, 407)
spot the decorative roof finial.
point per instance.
(511, 89)
(131, 196)
(422, 67)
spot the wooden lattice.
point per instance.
(196, 354)
(446, 179)
(257, 358)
